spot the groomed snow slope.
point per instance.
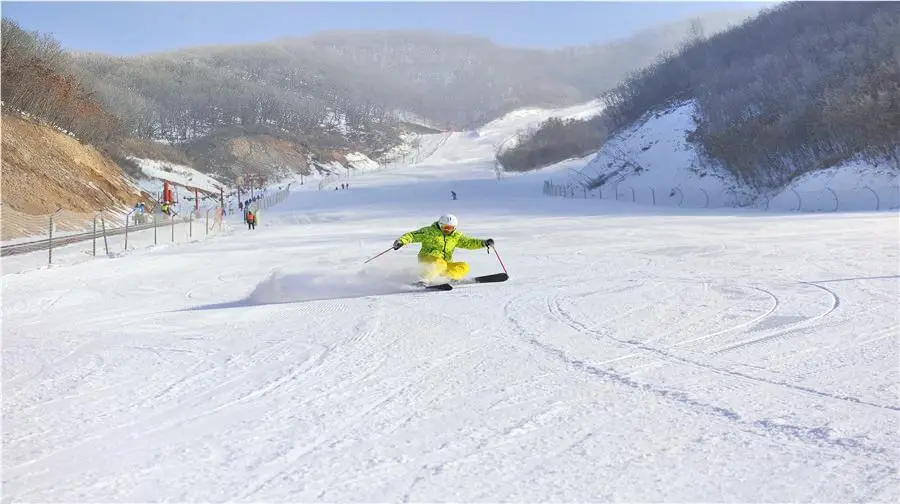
(636, 354)
(482, 144)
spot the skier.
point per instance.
(251, 220)
(439, 240)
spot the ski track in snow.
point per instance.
(635, 354)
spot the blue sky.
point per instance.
(127, 28)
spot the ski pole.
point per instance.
(498, 258)
(379, 255)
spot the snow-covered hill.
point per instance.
(474, 146)
(654, 163)
(484, 143)
(184, 177)
(509, 127)
(415, 148)
(637, 353)
(181, 177)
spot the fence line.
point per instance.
(103, 224)
(265, 202)
(327, 180)
(828, 199)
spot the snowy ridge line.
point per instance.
(825, 200)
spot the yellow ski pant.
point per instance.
(433, 267)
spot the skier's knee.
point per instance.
(457, 270)
(434, 262)
(432, 266)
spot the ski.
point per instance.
(495, 278)
(438, 287)
(433, 287)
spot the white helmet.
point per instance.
(447, 220)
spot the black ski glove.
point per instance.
(489, 242)
(397, 244)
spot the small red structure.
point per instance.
(167, 192)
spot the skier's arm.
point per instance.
(470, 243)
(414, 236)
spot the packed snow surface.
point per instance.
(636, 354)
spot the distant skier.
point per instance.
(453, 195)
(251, 220)
(439, 240)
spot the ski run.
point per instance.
(633, 354)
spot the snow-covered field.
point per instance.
(636, 354)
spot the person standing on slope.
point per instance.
(439, 240)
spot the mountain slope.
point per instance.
(363, 79)
(45, 169)
(803, 87)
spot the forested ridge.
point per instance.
(803, 86)
(335, 91)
